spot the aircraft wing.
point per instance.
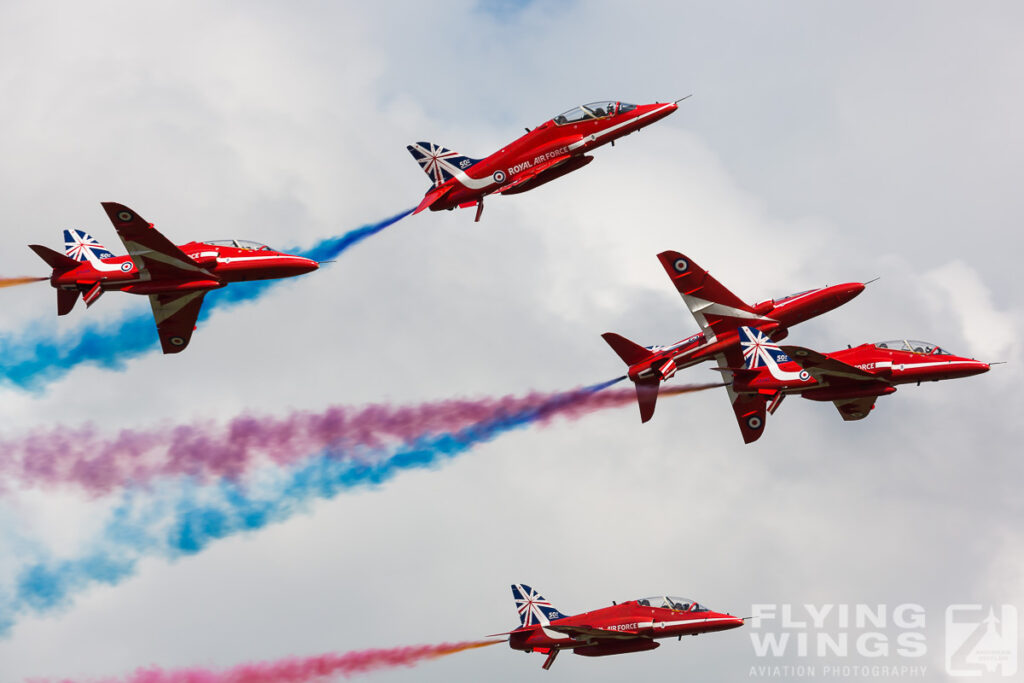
(714, 307)
(156, 257)
(175, 316)
(529, 175)
(828, 370)
(750, 409)
(594, 632)
(855, 408)
(834, 372)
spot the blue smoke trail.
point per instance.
(30, 361)
(182, 519)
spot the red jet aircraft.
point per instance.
(851, 378)
(625, 627)
(720, 313)
(175, 278)
(549, 151)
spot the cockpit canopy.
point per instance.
(594, 110)
(794, 295)
(239, 244)
(673, 603)
(914, 346)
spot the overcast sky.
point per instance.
(824, 143)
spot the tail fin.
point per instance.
(647, 397)
(80, 245)
(759, 350)
(532, 607)
(439, 163)
(60, 263)
(66, 299)
(631, 353)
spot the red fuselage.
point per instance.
(639, 625)
(559, 143)
(225, 264)
(781, 314)
(891, 366)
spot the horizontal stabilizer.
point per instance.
(54, 259)
(739, 375)
(430, 198)
(630, 352)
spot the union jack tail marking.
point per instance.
(759, 350)
(439, 163)
(532, 607)
(78, 244)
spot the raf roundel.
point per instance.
(177, 341)
(804, 375)
(126, 266)
(499, 176)
(681, 265)
(754, 422)
(124, 216)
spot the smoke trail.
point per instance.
(15, 281)
(98, 463)
(300, 669)
(175, 520)
(32, 360)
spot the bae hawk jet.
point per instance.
(720, 314)
(631, 626)
(175, 278)
(554, 148)
(852, 378)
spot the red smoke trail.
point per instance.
(15, 281)
(299, 669)
(100, 463)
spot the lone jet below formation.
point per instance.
(625, 627)
(175, 278)
(549, 151)
(720, 314)
(851, 378)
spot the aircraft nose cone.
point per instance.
(849, 291)
(305, 265)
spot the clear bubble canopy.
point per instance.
(672, 602)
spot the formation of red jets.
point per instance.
(739, 337)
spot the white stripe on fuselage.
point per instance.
(100, 265)
(480, 183)
(667, 624)
(932, 364)
(612, 129)
(231, 259)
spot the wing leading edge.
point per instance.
(156, 257)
